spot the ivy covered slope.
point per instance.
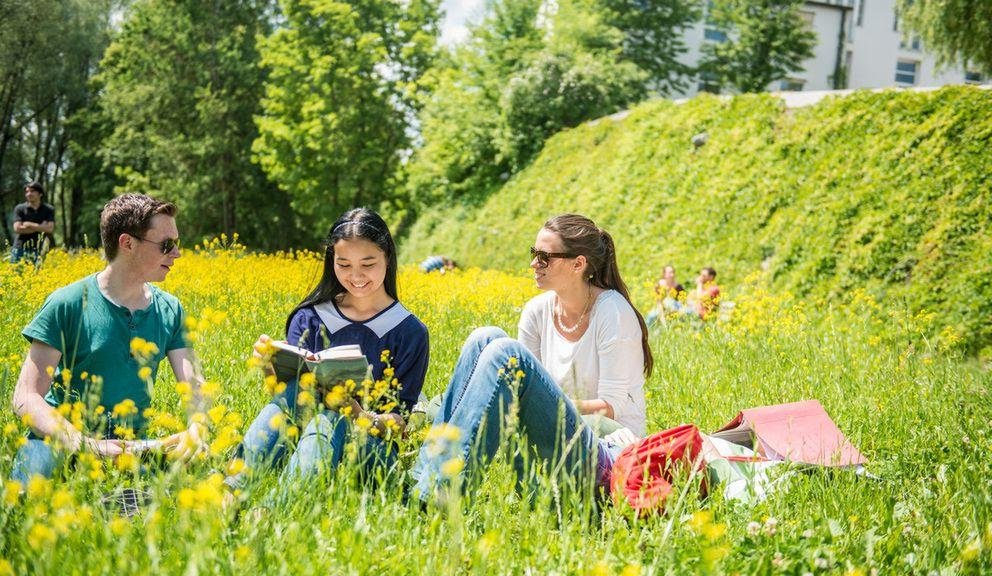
(890, 192)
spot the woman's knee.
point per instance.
(482, 336)
(499, 351)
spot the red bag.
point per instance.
(642, 474)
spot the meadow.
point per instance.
(893, 380)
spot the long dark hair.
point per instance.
(580, 235)
(358, 223)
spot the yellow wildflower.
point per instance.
(452, 467)
(11, 492)
(38, 486)
(118, 526)
(41, 537)
(235, 466)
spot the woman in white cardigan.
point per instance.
(582, 349)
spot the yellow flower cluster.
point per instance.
(205, 496)
(142, 350)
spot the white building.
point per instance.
(859, 45)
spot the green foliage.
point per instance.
(48, 52)
(654, 37)
(886, 191)
(181, 85)
(578, 75)
(461, 120)
(530, 69)
(956, 31)
(766, 41)
(342, 82)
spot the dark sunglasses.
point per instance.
(544, 258)
(166, 246)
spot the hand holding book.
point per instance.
(330, 366)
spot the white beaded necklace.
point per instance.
(558, 314)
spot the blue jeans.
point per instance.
(475, 404)
(319, 450)
(18, 254)
(35, 458)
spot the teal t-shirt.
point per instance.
(94, 336)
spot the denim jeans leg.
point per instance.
(374, 456)
(477, 341)
(321, 445)
(34, 458)
(263, 445)
(552, 425)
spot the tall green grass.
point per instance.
(920, 413)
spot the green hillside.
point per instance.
(889, 192)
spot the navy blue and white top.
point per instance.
(396, 329)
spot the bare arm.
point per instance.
(190, 442)
(597, 406)
(22, 227)
(186, 368)
(29, 400)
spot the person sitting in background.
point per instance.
(706, 297)
(440, 263)
(669, 296)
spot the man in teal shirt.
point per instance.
(99, 341)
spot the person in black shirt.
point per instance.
(32, 220)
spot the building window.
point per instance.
(861, 12)
(913, 44)
(971, 77)
(714, 35)
(709, 82)
(906, 71)
(710, 31)
(792, 85)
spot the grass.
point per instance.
(889, 378)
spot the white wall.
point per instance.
(874, 49)
(819, 70)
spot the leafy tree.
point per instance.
(654, 37)
(529, 69)
(955, 31)
(766, 41)
(461, 119)
(578, 76)
(181, 85)
(48, 52)
(340, 98)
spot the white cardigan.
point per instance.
(606, 363)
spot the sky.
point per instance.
(457, 14)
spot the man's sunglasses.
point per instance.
(544, 258)
(166, 246)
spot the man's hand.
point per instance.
(186, 444)
(103, 448)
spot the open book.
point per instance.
(330, 366)
(796, 432)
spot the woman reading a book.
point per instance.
(581, 352)
(355, 303)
